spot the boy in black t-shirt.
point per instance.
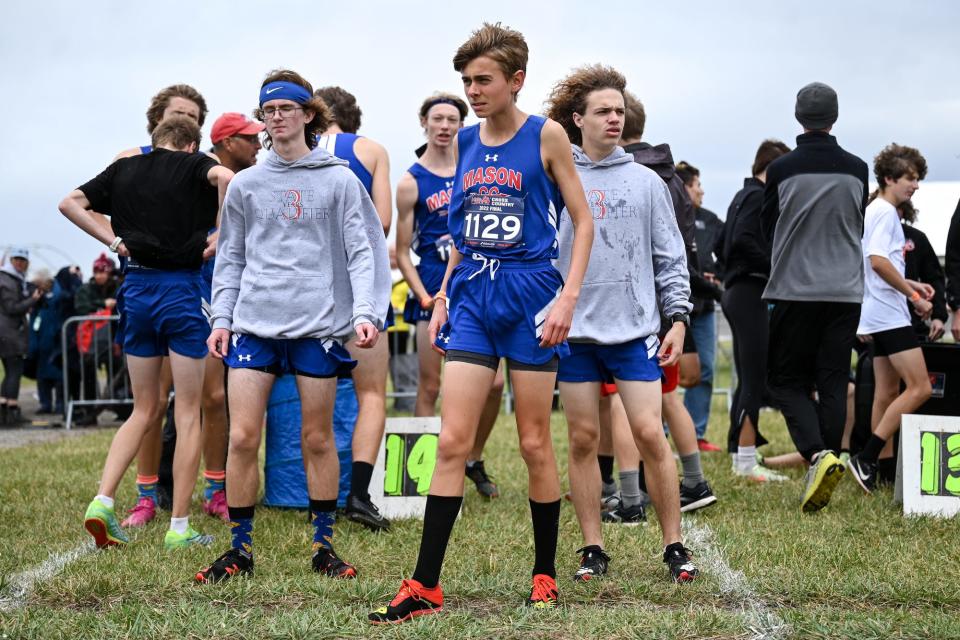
(160, 205)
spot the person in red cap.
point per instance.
(236, 141)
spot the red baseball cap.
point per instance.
(232, 124)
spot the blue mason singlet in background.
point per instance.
(341, 145)
(503, 218)
(431, 239)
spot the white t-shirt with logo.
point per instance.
(884, 307)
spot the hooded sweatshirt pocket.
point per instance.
(606, 311)
(274, 305)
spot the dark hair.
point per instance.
(768, 151)
(177, 131)
(161, 101)
(503, 45)
(908, 211)
(569, 96)
(687, 172)
(896, 161)
(636, 118)
(444, 98)
(343, 105)
(321, 113)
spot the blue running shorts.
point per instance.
(162, 312)
(499, 309)
(313, 357)
(591, 362)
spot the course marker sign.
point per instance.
(401, 476)
(928, 478)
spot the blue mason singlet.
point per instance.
(503, 219)
(341, 145)
(431, 239)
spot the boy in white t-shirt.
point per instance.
(884, 317)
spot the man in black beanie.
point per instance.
(813, 206)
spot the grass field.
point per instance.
(856, 570)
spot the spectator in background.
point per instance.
(885, 317)
(98, 296)
(17, 297)
(952, 268)
(703, 323)
(813, 204)
(45, 350)
(923, 265)
(745, 258)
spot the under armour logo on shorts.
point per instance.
(488, 157)
(245, 358)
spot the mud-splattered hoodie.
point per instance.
(638, 256)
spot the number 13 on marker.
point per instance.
(409, 462)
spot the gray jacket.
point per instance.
(301, 252)
(14, 305)
(638, 254)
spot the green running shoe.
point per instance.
(188, 538)
(824, 473)
(101, 522)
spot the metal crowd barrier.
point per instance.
(110, 384)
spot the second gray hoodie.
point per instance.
(301, 252)
(638, 256)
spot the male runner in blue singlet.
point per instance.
(423, 198)
(507, 301)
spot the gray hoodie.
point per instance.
(301, 252)
(638, 254)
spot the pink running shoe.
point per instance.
(143, 512)
(217, 506)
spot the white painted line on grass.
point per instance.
(763, 623)
(22, 584)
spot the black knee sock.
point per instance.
(438, 519)
(606, 469)
(871, 450)
(360, 473)
(643, 479)
(546, 524)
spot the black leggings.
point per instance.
(12, 371)
(746, 312)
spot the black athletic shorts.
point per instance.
(891, 341)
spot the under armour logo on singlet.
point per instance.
(246, 358)
(449, 184)
(488, 157)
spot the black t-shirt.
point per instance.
(161, 204)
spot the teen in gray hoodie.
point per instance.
(297, 255)
(637, 259)
(301, 264)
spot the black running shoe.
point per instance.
(698, 497)
(864, 472)
(630, 516)
(677, 557)
(327, 562)
(411, 601)
(232, 563)
(485, 485)
(366, 513)
(593, 564)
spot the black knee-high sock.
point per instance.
(871, 450)
(438, 519)
(606, 469)
(546, 525)
(360, 473)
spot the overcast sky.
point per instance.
(716, 78)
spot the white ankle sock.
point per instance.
(179, 524)
(746, 458)
(106, 500)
